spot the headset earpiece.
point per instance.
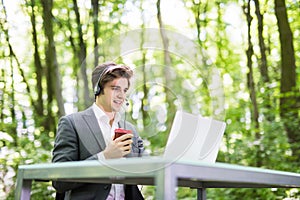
(97, 88)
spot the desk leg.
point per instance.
(201, 194)
(26, 189)
(165, 184)
(23, 187)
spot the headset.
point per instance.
(97, 88)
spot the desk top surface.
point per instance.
(142, 165)
(146, 170)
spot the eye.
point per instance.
(115, 88)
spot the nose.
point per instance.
(121, 94)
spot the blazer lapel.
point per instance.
(90, 121)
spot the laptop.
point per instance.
(194, 137)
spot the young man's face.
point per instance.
(114, 95)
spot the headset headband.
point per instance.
(108, 69)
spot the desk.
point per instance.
(165, 174)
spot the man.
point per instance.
(87, 135)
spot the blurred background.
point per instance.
(235, 60)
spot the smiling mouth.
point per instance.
(119, 102)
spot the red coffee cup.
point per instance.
(120, 131)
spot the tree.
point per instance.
(37, 61)
(167, 64)
(96, 23)
(82, 56)
(251, 83)
(263, 63)
(54, 90)
(260, 106)
(289, 100)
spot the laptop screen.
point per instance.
(193, 137)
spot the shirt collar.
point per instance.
(100, 114)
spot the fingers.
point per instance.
(124, 137)
(124, 145)
(120, 147)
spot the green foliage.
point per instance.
(28, 151)
(26, 137)
(247, 194)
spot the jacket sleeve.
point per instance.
(65, 149)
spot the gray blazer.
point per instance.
(78, 138)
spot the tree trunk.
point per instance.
(82, 58)
(12, 130)
(288, 101)
(263, 61)
(251, 84)
(263, 65)
(197, 12)
(168, 65)
(95, 4)
(3, 89)
(145, 103)
(53, 75)
(37, 64)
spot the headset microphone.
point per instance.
(127, 104)
(138, 142)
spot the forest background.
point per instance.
(236, 60)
